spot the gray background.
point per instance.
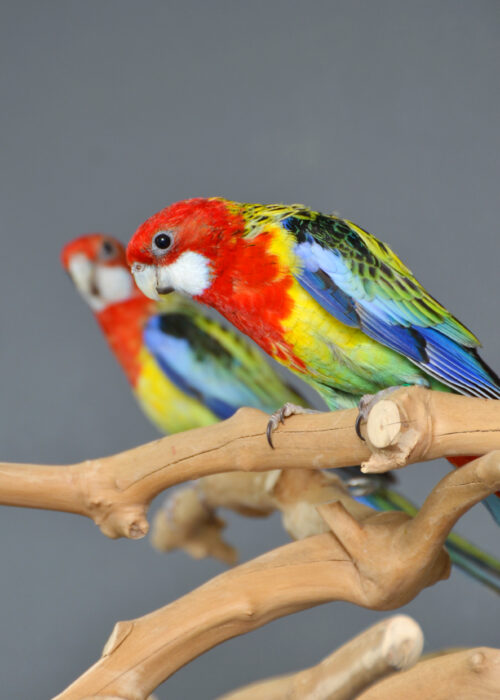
(385, 111)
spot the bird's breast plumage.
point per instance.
(251, 287)
(122, 325)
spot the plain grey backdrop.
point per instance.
(385, 111)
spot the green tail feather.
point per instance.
(478, 564)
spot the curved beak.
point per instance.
(82, 272)
(146, 278)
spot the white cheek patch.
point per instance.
(114, 284)
(189, 274)
(100, 286)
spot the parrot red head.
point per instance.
(97, 265)
(183, 247)
(218, 252)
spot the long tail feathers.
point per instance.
(469, 558)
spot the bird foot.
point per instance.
(287, 410)
(366, 404)
(362, 486)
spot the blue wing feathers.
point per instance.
(199, 376)
(198, 365)
(457, 364)
(166, 367)
(441, 349)
(330, 297)
(404, 340)
(221, 408)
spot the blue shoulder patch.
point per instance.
(319, 283)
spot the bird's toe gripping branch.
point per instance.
(288, 409)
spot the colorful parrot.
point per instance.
(187, 370)
(317, 292)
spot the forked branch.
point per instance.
(381, 563)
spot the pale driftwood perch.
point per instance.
(472, 674)
(388, 646)
(186, 522)
(116, 491)
(188, 518)
(381, 564)
(415, 425)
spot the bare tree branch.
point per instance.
(116, 491)
(375, 563)
(391, 645)
(188, 518)
(474, 673)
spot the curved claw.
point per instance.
(277, 418)
(269, 433)
(357, 426)
(288, 409)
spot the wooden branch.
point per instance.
(416, 425)
(391, 645)
(186, 522)
(116, 491)
(111, 697)
(188, 517)
(474, 673)
(381, 564)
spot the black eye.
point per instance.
(162, 240)
(107, 250)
